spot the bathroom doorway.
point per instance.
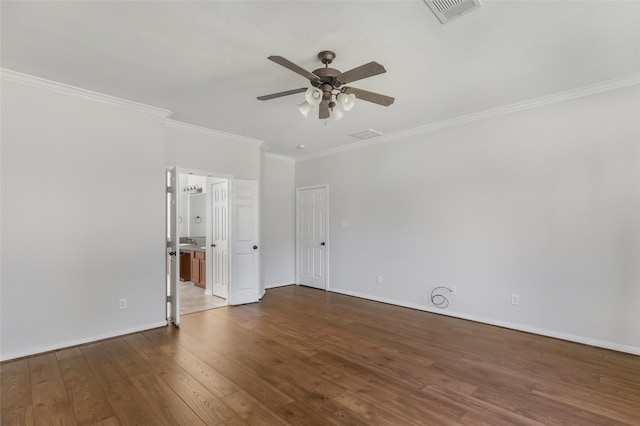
(227, 256)
(203, 241)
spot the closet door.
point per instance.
(245, 254)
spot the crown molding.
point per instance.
(279, 157)
(41, 83)
(592, 89)
(210, 132)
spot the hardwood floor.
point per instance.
(306, 357)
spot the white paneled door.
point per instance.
(245, 258)
(312, 237)
(219, 262)
(173, 247)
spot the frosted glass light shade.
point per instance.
(347, 101)
(313, 96)
(337, 113)
(305, 108)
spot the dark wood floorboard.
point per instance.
(306, 357)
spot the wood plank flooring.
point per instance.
(305, 357)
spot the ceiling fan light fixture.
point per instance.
(313, 96)
(346, 100)
(305, 108)
(337, 112)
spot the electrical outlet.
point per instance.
(453, 290)
(515, 299)
(379, 279)
(122, 303)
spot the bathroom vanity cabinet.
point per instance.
(193, 267)
(185, 265)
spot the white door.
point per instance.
(312, 237)
(173, 247)
(219, 246)
(245, 257)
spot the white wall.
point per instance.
(278, 224)
(71, 247)
(543, 203)
(186, 225)
(195, 204)
(197, 215)
(208, 151)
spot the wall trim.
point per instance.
(43, 349)
(41, 83)
(491, 321)
(592, 89)
(286, 284)
(279, 157)
(211, 132)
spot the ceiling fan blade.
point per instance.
(324, 110)
(279, 94)
(376, 98)
(295, 68)
(363, 71)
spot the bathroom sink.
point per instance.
(203, 248)
(184, 244)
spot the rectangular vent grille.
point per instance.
(366, 134)
(446, 10)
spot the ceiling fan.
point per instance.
(327, 87)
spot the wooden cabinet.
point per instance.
(193, 267)
(195, 270)
(198, 269)
(203, 271)
(185, 266)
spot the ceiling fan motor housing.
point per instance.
(327, 76)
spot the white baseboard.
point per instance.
(280, 285)
(499, 323)
(42, 349)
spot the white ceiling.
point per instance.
(207, 61)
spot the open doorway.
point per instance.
(203, 241)
(229, 258)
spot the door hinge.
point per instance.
(169, 299)
(170, 190)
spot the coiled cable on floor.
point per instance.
(440, 300)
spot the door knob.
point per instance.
(172, 253)
(255, 247)
(322, 243)
(213, 245)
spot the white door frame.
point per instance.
(172, 245)
(209, 279)
(326, 232)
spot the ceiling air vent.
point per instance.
(446, 10)
(366, 134)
